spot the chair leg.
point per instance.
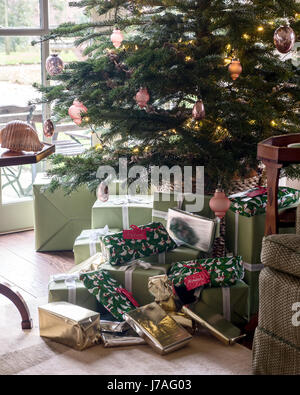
(19, 302)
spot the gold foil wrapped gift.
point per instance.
(128, 338)
(216, 324)
(69, 324)
(160, 287)
(157, 328)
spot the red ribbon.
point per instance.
(128, 295)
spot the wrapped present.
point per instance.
(157, 328)
(245, 229)
(89, 265)
(221, 272)
(231, 302)
(163, 201)
(58, 219)
(217, 325)
(88, 244)
(181, 253)
(122, 211)
(113, 326)
(129, 338)
(109, 293)
(68, 288)
(68, 324)
(160, 287)
(191, 229)
(135, 276)
(118, 250)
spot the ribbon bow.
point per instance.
(70, 282)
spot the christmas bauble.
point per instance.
(117, 38)
(76, 110)
(219, 203)
(198, 110)
(48, 128)
(235, 69)
(142, 97)
(103, 192)
(54, 65)
(284, 39)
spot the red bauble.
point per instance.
(103, 192)
(48, 128)
(142, 97)
(76, 110)
(198, 110)
(284, 39)
(117, 38)
(219, 203)
(54, 64)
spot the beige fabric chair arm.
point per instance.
(282, 252)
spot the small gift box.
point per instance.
(88, 243)
(117, 250)
(157, 328)
(191, 229)
(67, 287)
(121, 211)
(129, 338)
(68, 324)
(215, 323)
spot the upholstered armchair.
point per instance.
(276, 348)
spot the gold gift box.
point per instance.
(158, 329)
(69, 324)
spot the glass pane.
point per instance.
(19, 69)
(19, 13)
(61, 12)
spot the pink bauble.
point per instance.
(48, 128)
(142, 97)
(117, 38)
(219, 203)
(76, 110)
(103, 192)
(54, 65)
(198, 110)
(284, 39)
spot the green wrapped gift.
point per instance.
(59, 219)
(231, 302)
(122, 211)
(245, 229)
(222, 271)
(180, 253)
(162, 201)
(134, 278)
(248, 207)
(67, 287)
(147, 240)
(88, 244)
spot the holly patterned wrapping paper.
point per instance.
(222, 271)
(118, 251)
(109, 292)
(257, 205)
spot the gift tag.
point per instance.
(197, 280)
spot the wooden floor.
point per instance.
(26, 269)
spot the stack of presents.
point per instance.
(144, 270)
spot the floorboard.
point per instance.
(27, 269)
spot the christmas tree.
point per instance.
(210, 84)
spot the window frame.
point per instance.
(45, 46)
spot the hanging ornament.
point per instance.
(117, 38)
(235, 69)
(219, 203)
(54, 65)
(142, 97)
(198, 110)
(284, 39)
(48, 128)
(76, 110)
(103, 192)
